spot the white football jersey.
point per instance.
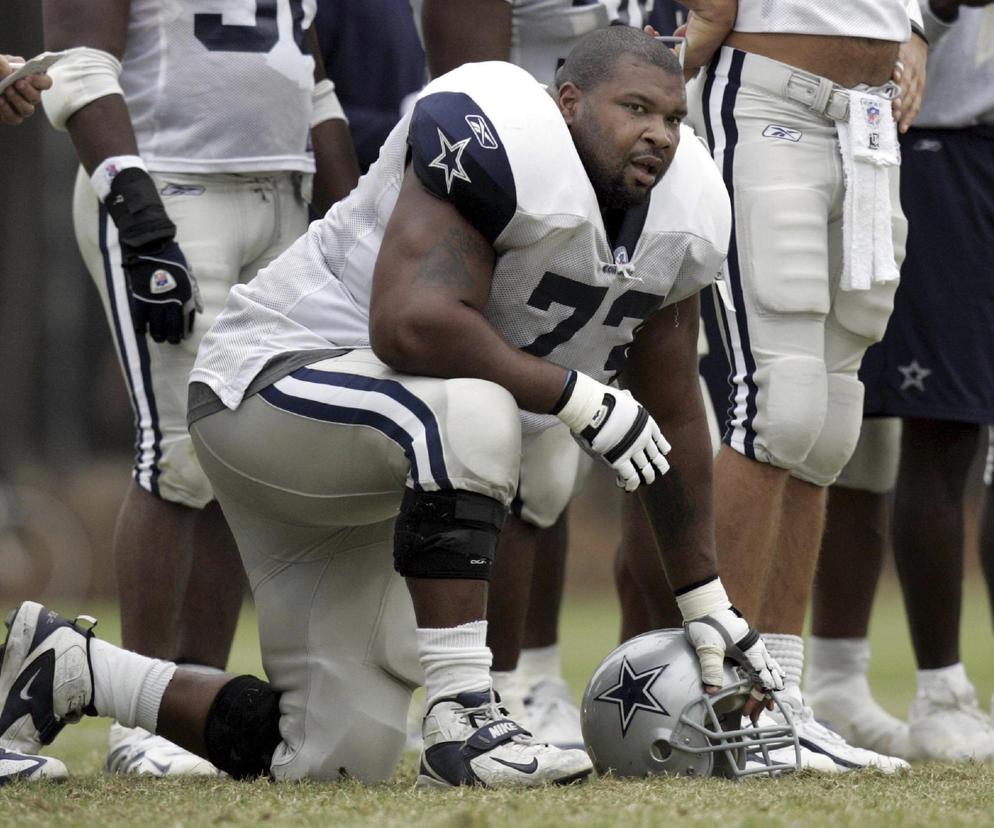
(876, 19)
(490, 140)
(220, 85)
(544, 31)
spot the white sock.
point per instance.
(952, 676)
(510, 689)
(538, 663)
(455, 659)
(788, 650)
(127, 686)
(833, 656)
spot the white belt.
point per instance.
(818, 94)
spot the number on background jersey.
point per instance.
(585, 299)
(218, 36)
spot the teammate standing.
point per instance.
(797, 112)
(933, 369)
(192, 125)
(354, 447)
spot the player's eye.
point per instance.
(637, 108)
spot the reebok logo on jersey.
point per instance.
(182, 190)
(161, 281)
(786, 133)
(927, 145)
(484, 136)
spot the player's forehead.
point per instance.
(633, 76)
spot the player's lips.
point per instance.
(647, 168)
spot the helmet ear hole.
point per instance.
(661, 751)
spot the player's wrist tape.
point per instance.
(135, 207)
(325, 105)
(104, 174)
(78, 79)
(702, 599)
(579, 402)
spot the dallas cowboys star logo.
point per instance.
(450, 160)
(914, 375)
(631, 693)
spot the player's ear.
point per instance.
(568, 97)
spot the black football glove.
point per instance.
(164, 295)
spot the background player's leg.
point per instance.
(209, 616)
(945, 722)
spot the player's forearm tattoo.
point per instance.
(452, 261)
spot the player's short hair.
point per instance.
(595, 56)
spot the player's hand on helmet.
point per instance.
(717, 631)
(164, 295)
(611, 425)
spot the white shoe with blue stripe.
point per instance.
(29, 768)
(468, 740)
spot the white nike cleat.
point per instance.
(946, 725)
(23, 766)
(468, 741)
(816, 738)
(135, 750)
(45, 677)
(551, 715)
(848, 708)
(809, 759)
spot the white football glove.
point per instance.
(613, 427)
(717, 631)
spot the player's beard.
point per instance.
(606, 173)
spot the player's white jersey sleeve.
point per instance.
(220, 85)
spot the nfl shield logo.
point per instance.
(620, 256)
(872, 112)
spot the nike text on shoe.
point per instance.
(25, 767)
(46, 680)
(468, 741)
(135, 750)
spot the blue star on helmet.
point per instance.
(450, 160)
(631, 693)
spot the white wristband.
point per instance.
(110, 167)
(703, 600)
(325, 105)
(587, 397)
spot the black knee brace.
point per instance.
(447, 534)
(243, 727)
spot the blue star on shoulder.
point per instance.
(450, 160)
(631, 693)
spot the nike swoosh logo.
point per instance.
(24, 690)
(531, 767)
(163, 769)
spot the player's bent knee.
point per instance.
(838, 437)
(796, 400)
(243, 727)
(447, 534)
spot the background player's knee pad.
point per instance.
(243, 727)
(553, 469)
(793, 400)
(873, 465)
(839, 434)
(447, 534)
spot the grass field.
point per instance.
(930, 795)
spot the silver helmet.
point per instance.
(645, 712)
